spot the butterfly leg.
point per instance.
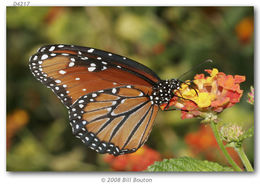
(191, 85)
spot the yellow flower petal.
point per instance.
(204, 99)
(199, 83)
(187, 92)
(214, 72)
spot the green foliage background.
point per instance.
(169, 40)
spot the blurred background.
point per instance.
(169, 40)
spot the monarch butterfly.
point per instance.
(112, 100)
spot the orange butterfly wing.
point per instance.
(107, 95)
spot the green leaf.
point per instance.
(187, 164)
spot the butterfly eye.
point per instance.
(112, 100)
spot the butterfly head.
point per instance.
(175, 84)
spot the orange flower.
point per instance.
(138, 161)
(214, 93)
(245, 29)
(15, 121)
(201, 140)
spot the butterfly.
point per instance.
(112, 101)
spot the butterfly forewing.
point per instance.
(71, 72)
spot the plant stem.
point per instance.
(222, 147)
(244, 158)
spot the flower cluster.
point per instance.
(137, 161)
(213, 93)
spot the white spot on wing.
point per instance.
(84, 58)
(44, 56)
(62, 72)
(114, 102)
(113, 90)
(52, 48)
(71, 64)
(91, 50)
(81, 101)
(91, 69)
(81, 106)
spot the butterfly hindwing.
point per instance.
(115, 121)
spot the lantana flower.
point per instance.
(251, 95)
(137, 161)
(212, 93)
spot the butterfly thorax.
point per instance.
(163, 91)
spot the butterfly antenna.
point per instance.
(206, 61)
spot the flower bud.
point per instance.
(231, 133)
(251, 95)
